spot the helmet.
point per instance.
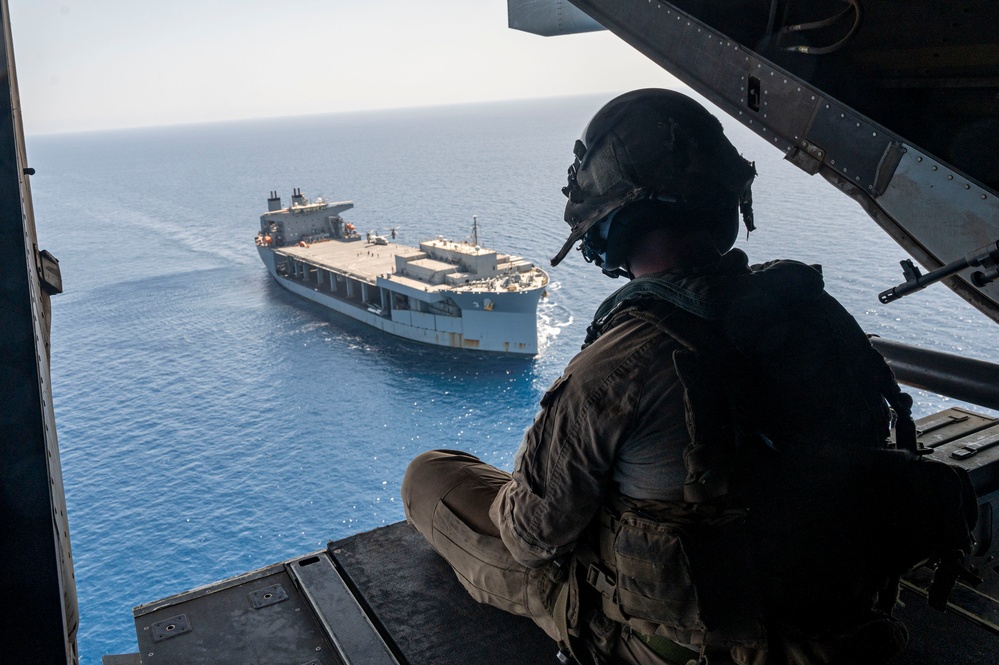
(653, 154)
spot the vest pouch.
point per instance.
(654, 579)
(687, 573)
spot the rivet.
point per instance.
(967, 186)
(950, 177)
(934, 167)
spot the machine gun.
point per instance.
(987, 257)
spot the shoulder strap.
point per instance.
(712, 382)
(651, 289)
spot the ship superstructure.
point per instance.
(444, 292)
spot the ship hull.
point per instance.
(509, 327)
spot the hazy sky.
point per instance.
(100, 64)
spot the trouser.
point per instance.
(447, 495)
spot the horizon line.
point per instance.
(381, 109)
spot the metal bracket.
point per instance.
(807, 157)
(172, 627)
(269, 595)
(49, 273)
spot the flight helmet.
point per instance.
(653, 157)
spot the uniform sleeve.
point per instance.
(563, 470)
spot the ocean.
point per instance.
(211, 423)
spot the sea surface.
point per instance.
(211, 423)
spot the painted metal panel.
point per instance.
(36, 566)
(424, 320)
(450, 324)
(402, 316)
(548, 17)
(934, 214)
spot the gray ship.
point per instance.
(446, 293)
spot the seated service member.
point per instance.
(679, 495)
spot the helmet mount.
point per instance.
(662, 158)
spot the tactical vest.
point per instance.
(784, 533)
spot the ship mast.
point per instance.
(475, 231)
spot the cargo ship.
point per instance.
(447, 293)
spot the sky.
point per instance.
(86, 65)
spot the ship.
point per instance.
(452, 293)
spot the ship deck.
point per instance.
(361, 260)
(367, 261)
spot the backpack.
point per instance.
(784, 539)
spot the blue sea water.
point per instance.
(210, 423)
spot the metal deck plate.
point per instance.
(433, 621)
(224, 628)
(430, 616)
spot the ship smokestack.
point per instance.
(297, 198)
(274, 202)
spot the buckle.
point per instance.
(597, 578)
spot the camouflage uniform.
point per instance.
(615, 423)
(615, 405)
